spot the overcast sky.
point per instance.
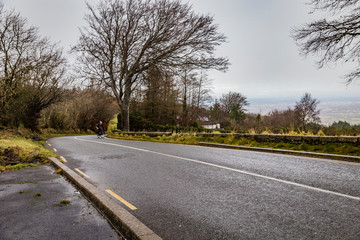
(265, 62)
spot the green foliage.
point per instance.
(15, 167)
(342, 128)
(216, 112)
(303, 146)
(237, 113)
(37, 195)
(329, 148)
(137, 122)
(196, 124)
(341, 125)
(64, 202)
(280, 146)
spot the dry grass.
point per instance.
(18, 150)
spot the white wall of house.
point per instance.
(212, 126)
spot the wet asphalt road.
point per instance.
(191, 192)
(30, 208)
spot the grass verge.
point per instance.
(192, 139)
(19, 150)
(22, 148)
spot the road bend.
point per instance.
(192, 192)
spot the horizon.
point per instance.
(331, 109)
(265, 60)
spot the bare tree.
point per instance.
(82, 109)
(306, 109)
(187, 86)
(233, 106)
(124, 38)
(45, 83)
(333, 5)
(231, 99)
(282, 121)
(202, 88)
(16, 43)
(32, 71)
(333, 39)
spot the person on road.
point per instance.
(100, 129)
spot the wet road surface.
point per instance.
(191, 192)
(30, 208)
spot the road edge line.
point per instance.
(121, 219)
(345, 158)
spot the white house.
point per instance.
(206, 123)
(211, 126)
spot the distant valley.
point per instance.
(347, 109)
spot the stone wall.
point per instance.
(296, 139)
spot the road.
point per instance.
(192, 192)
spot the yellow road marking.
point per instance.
(54, 149)
(87, 176)
(62, 158)
(132, 207)
(49, 144)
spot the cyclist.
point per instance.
(100, 129)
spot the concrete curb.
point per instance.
(121, 219)
(346, 158)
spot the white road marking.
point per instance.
(230, 169)
(285, 155)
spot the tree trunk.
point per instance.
(125, 118)
(184, 103)
(120, 122)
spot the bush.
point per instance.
(304, 146)
(196, 125)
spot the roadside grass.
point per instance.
(192, 139)
(18, 150)
(22, 148)
(184, 138)
(19, 166)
